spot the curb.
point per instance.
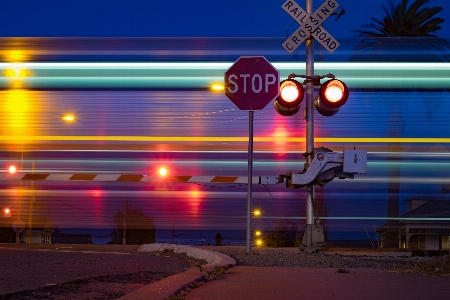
(212, 257)
(362, 253)
(171, 285)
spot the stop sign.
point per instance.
(252, 82)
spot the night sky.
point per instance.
(178, 18)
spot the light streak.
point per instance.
(221, 139)
(204, 74)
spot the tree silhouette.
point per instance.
(401, 20)
(140, 229)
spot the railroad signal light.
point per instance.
(290, 98)
(332, 95)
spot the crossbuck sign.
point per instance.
(310, 25)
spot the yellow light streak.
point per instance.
(217, 87)
(219, 139)
(16, 55)
(68, 118)
(19, 110)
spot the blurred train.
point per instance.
(141, 103)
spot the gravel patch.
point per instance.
(292, 257)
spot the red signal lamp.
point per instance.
(6, 212)
(163, 172)
(290, 98)
(332, 95)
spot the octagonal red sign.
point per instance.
(252, 82)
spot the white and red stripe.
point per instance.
(101, 177)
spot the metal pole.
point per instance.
(249, 182)
(124, 235)
(30, 215)
(19, 221)
(309, 126)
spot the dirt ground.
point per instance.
(32, 271)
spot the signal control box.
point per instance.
(325, 166)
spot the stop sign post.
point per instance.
(251, 83)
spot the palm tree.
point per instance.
(401, 20)
(402, 28)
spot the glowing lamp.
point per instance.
(7, 212)
(290, 98)
(69, 118)
(12, 169)
(332, 95)
(217, 87)
(162, 172)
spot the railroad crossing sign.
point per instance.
(310, 25)
(252, 82)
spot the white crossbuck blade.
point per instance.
(310, 25)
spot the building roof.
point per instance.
(431, 209)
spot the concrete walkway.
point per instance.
(289, 283)
(300, 283)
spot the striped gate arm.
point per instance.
(103, 177)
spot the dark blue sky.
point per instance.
(173, 18)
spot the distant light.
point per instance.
(257, 213)
(217, 87)
(258, 233)
(163, 171)
(12, 169)
(68, 118)
(259, 242)
(7, 210)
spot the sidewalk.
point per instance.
(299, 283)
(244, 282)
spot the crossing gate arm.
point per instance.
(104, 177)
